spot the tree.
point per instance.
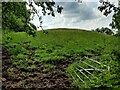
(47, 9)
(107, 8)
(105, 31)
(16, 17)
(11, 18)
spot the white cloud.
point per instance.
(75, 15)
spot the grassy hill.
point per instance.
(57, 55)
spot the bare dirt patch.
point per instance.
(40, 78)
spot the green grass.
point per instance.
(27, 52)
(65, 40)
(106, 75)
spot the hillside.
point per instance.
(55, 59)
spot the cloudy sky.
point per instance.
(83, 15)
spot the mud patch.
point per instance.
(41, 78)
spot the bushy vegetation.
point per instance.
(27, 53)
(16, 16)
(105, 31)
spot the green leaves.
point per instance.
(107, 8)
(16, 17)
(105, 31)
(59, 9)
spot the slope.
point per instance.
(42, 61)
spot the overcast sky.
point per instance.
(83, 15)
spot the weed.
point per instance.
(48, 66)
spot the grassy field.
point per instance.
(66, 50)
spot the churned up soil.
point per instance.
(40, 78)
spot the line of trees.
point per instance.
(104, 30)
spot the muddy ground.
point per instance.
(40, 78)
